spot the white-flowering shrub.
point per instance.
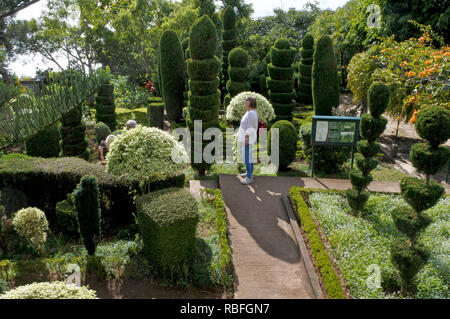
(50, 290)
(236, 109)
(31, 224)
(146, 154)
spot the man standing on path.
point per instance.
(247, 137)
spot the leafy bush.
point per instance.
(128, 95)
(146, 154)
(124, 115)
(31, 224)
(236, 108)
(66, 216)
(171, 59)
(287, 143)
(305, 70)
(433, 125)
(45, 144)
(73, 134)
(101, 132)
(325, 82)
(281, 79)
(228, 42)
(321, 258)
(50, 290)
(104, 105)
(3, 287)
(87, 206)
(237, 74)
(167, 220)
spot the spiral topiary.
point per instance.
(281, 79)
(45, 143)
(371, 127)
(236, 109)
(203, 68)
(73, 134)
(287, 143)
(185, 46)
(304, 92)
(429, 157)
(172, 74)
(237, 73)
(105, 109)
(228, 43)
(325, 82)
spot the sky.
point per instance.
(27, 65)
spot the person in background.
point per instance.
(247, 136)
(131, 124)
(103, 148)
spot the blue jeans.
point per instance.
(248, 159)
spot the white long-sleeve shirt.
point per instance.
(249, 126)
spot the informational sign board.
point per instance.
(334, 131)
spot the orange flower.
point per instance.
(382, 51)
(428, 62)
(410, 74)
(413, 118)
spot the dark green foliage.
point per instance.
(367, 149)
(282, 57)
(155, 113)
(86, 198)
(101, 132)
(357, 199)
(305, 70)
(187, 55)
(229, 42)
(371, 128)
(105, 107)
(408, 260)
(73, 135)
(167, 220)
(282, 44)
(378, 97)
(433, 125)
(325, 82)
(365, 165)
(280, 73)
(203, 67)
(204, 87)
(359, 180)
(419, 194)
(408, 222)
(428, 160)
(237, 74)
(281, 98)
(66, 216)
(229, 18)
(45, 143)
(287, 143)
(171, 58)
(3, 286)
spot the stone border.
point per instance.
(303, 250)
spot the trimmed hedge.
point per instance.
(237, 74)
(305, 70)
(320, 254)
(27, 175)
(155, 112)
(45, 143)
(287, 143)
(325, 82)
(73, 134)
(105, 107)
(167, 220)
(229, 42)
(171, 59)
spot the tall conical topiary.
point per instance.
(371, 127)
(237, 73)
(325, 82)
(409, 256)
(229, 42)
(304, 92)
(204, 96)
(281, 79)
(185, 46)
(172, 74)
(86, 198)
(105, 109)
(73, 134)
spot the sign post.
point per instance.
(334, 131)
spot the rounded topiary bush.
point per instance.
(418, 194)
(378, 98)
(287, 142)
(167, 220)
(145, 154)
(433, 125)
(45, 143)
(101, 132)
(428, 160)
(236, 109)
(31, 224)
(50, 290)
(203, 41)
(282, 43)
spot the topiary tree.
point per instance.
(155, 113)
(172, 74)
(204, 96)
(101, 132)
(50, 290)
(325, 81)
(281, 78)
(287, 143)
(371, 127)
(236, 109)
(31, 224)
(45, 143)
(237, 73)
(105, 109)
(229, 42)
(167, 221)
(185, 46)
(304, 92)
(73, 134)
(409, 256)
(86, 198)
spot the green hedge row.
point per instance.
(321, 258)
